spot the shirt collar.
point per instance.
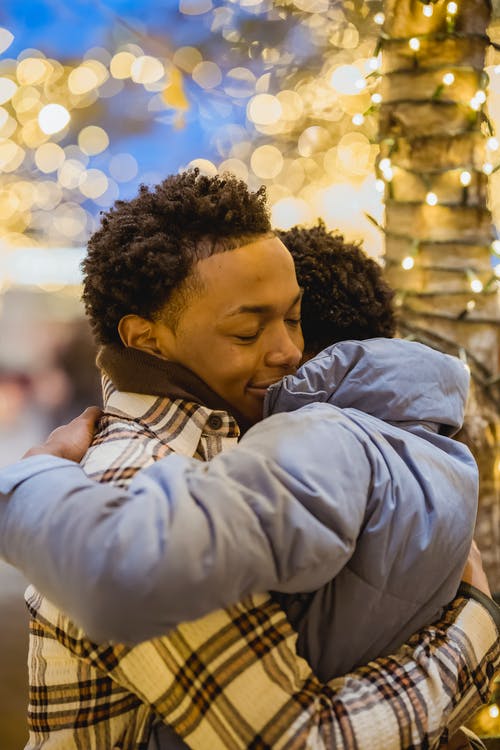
(179, 423)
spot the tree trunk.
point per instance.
(439, 232)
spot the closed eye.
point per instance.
(249, 338)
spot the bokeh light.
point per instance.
(6, 39)
(121, 65)
(123, 167)
(187, 58)
(52, 118)
(236, 167)
(146, 69)
(266, 162)
(195, 7)
(240, 83)
(207, 74)
(11, 156)
(69, 173)
(290, 211)
(49, 157)
(204, 165)
(346, 79)
(93, 140)
(264, 109)
(295, 108)
(7, 89)
(93, 183)
(32, 70)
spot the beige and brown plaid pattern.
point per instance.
(233, 679)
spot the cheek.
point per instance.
(241, 364)
(297, 337)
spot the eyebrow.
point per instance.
(260, 309)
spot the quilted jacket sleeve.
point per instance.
(130, 565)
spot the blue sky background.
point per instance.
(66, 31)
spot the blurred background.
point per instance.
(97, 97)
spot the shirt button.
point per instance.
(215, 422)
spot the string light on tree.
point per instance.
(475, 284)
(386, 169)
(494, 711)
(451, 12)
(358, 119)
(462, 355)
(379, 18)
(439, 62)
(376, 98)
(374, 63)
(477, 100)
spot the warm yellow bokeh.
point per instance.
(49, 157)
(52, 118)
(93, 140)
(121, 65)
(264, 109)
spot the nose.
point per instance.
(285, 351)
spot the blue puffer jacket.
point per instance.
(366, 488)
(404, 401)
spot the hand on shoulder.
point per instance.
(72, 440)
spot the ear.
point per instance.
(140, 333)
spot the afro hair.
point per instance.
(345, 295)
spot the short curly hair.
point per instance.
(143, 255)
(345, 295)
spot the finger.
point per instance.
(93, 412)
(91, 415)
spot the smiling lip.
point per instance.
(260, 388)
(259, 393)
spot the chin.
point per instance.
(252, 412)
(255, 415)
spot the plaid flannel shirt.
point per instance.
(233, 679)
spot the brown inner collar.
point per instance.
(135, 371)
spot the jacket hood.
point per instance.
(395, 380)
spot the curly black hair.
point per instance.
(142, 256)
(345, 295)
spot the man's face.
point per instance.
(242, 331)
